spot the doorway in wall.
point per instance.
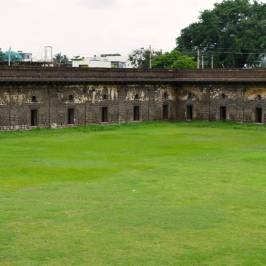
(136, 113)
(71, 116)
(34, 117)
(189, 112)
(104, 114)
(165, 112)
(259, 115)
(223, 113)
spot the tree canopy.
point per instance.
(173, 60)
(14, 56)
(234, 33)
(1, 55)
(140, 58)
(60, 59)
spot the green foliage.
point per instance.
(1, 55)
(234, 32)
(173, 60)
(139, 194)
(140, 58)
(14, 56)
(60, 59)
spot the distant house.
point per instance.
(90, 62)
(26, 57)
(117, 60)
(102, 61)
(79, 61)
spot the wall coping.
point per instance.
(92, 75)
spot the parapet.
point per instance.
(118, 76)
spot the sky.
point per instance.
(93, 27)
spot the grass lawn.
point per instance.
(142, 194)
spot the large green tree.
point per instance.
(173, 60)
(234, 33)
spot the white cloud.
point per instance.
(95, 26)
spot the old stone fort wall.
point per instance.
(58, 97)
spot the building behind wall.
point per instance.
(102, 61)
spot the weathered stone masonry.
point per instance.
(61, 97)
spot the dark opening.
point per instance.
(105, 97)
(189, 112)
(136, 113)
(71, 98)
(71, 116)
(258, 115)
(223, 113)
(136, 97)
(34, 99)
(165, 112)
(165, 95)
(34, 118)
(104, 114)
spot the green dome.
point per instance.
(14, 56)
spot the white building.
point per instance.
(25, 57)
(102, 61)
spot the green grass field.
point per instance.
(142, 194)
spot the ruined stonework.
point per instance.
(233, 102)
(53, 104)
(66, 98)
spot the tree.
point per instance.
(60, 59)
(1, 55)
(234, 33)
(140, 58)
(173, 60)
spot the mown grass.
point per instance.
(138, 194)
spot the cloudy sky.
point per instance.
(88, 27)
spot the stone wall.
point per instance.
(54, 105)
(225, 101)
(27, 105)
